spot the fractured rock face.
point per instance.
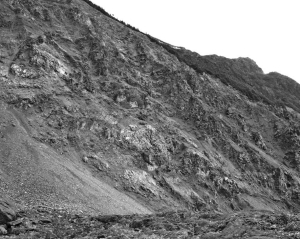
(258, 139)
(22, 71)
(292, 159)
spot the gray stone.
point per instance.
(3, 230)
(7, 213)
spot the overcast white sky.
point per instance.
(267, 31)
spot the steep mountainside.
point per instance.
(244, 75)
(98, 117)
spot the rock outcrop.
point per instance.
(7, 212)
(99, 117)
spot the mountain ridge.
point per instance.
(203, 66)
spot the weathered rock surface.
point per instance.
(98, 117)
(7, 212)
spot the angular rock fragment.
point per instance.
(7, 212)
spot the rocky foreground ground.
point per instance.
(45, 222)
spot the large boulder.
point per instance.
(7, 212)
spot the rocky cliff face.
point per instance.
(96, 116)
